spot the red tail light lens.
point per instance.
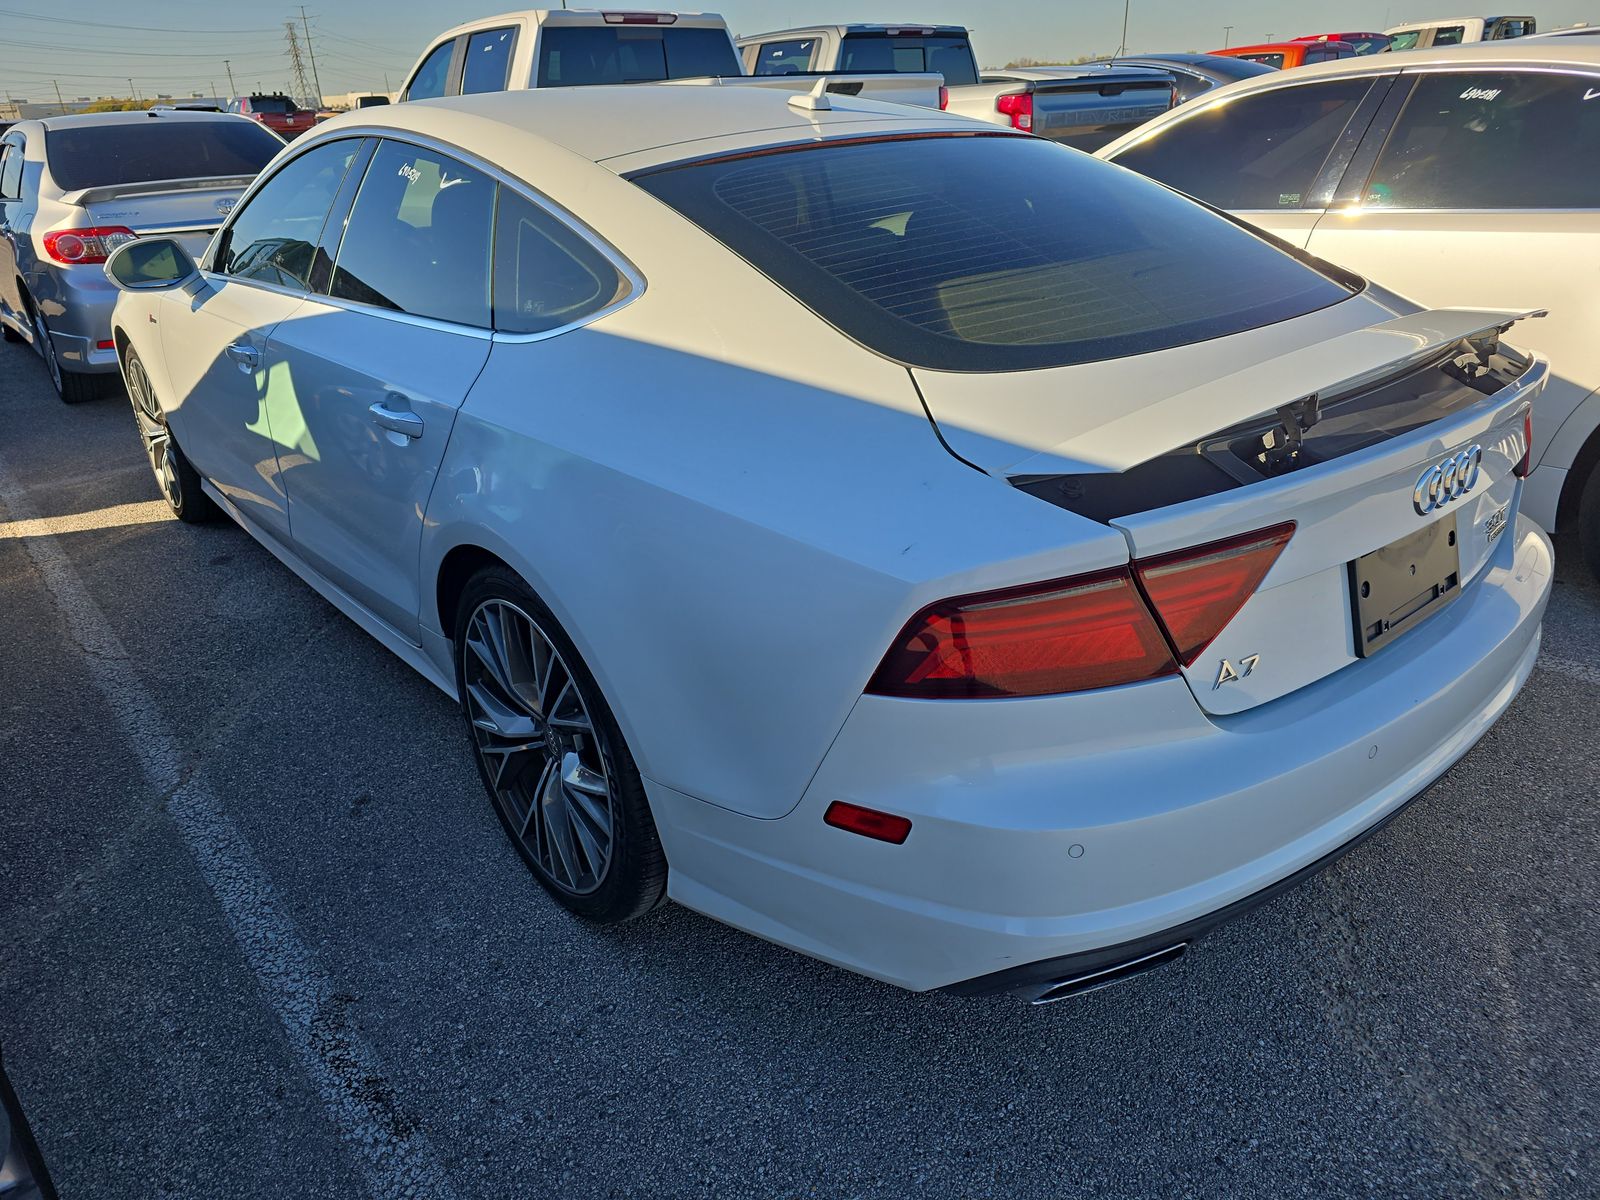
(1522, 467)
(868, 822)
(944, 97)
(1195, 593)
(78, 246)
(1019, 108)
(1064, 636)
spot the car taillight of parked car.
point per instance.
(1019, 108)
(944, 97)
(1112, 627)
(76, 247)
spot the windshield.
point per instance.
(98, 156)
(991, 252)
(580, 55)
(871, 53)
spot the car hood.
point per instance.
(1113, 415)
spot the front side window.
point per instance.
(433, 75)
(488, 61)
(101, 155)
(545, 274)
(1504, 139)
(991, 253)
(1261, 151)
(1449, 35)
(872, 53)
(274, 237)
(418, 237)
(582, 55)
(784, 58)
(1513, 27)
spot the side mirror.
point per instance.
(151, 265)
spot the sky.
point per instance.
(178, 47)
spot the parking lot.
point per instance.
(260, 934)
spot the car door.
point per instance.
(1269, 156)
(1482, 191)
(222, 386)
(12, 224)
(379, 367)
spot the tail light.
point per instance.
(944, 98)
(1112, 627)
(76, 247)
(1526, 463)
(1195, 593)
(1019, 108)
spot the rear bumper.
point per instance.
(77, 304)
(1056, 828)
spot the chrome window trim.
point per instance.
(477, 332)
(1362, 210)
(211, 276)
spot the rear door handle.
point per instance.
(246, 355)
(396, 420)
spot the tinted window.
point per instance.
(1374, 44)
(11, 170)
(1269, 60)
(96, 156)
(1493, 140)
(1448, 35)
(991, 253)
(1318, 54)
(574, 55)
(274, 237)
(1405, 41)
(1512, 27)
(488, 61)
(433, 75)
(273, 104)
(1259, 152)
(418, 237)
(949, 56)
(784, 58)
(545, 274)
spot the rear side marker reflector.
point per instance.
(1523, 465)
(1114, 627)
(868, 822)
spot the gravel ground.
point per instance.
(260, 935)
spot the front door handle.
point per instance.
(246, 355)
(396, 420)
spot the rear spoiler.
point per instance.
(1095, 81)
(1339, 365)
(839, 83)
(156, 187)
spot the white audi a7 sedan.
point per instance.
(932, 549)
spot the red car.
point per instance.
(1285, 55)
(277, 112)
(1365, 43)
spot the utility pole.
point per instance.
(312, 54)
(297, 65)
(228, 66)
(59, 100)
(1227, 36)
(133, 91)
(1123, 48)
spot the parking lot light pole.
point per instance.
(1227, 36)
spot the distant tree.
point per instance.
(113, 105)
(1024, 63)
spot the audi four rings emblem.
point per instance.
(1448, 480)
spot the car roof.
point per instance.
(91, 120)
(631, 126)
(575, 16)
(860, 27)
(1511, 51)
(1235, 51)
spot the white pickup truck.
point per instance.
(1083, 107)
(541, 48)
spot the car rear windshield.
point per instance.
(579, 55)
(101, 155)
(871, 53)
(991, 252)
(273, 104)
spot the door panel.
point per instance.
(357, 484)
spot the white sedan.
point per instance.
(913, 542)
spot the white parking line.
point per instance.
(393, 1155)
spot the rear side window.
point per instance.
(1449, 35)
(991, 253)
(1405, 41)
(1261, 151)
(1268, 60)
(11, 154)
(274, 237)
(433, 75)
(1493, 140)
(545, 274)
(872, 53)
(580, 55)
(1513, 27)
(418, 237)
(784, 58)
(156, 149)
(488, 61)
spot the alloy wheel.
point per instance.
(153, 432)
(539, 747)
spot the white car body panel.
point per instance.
(733, 509)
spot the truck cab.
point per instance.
(863, 49)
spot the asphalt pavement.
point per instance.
(261, 935)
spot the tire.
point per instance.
(8, 333)
(71, 386)
(515, 665)
(1589, 521)
(179, 482)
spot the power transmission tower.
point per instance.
(311, 53)
(297, 67)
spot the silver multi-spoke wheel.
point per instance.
(540, 749)
(153, 432)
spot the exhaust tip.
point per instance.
(1077, 985)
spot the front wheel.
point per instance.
(179, 482)
(552, 756)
